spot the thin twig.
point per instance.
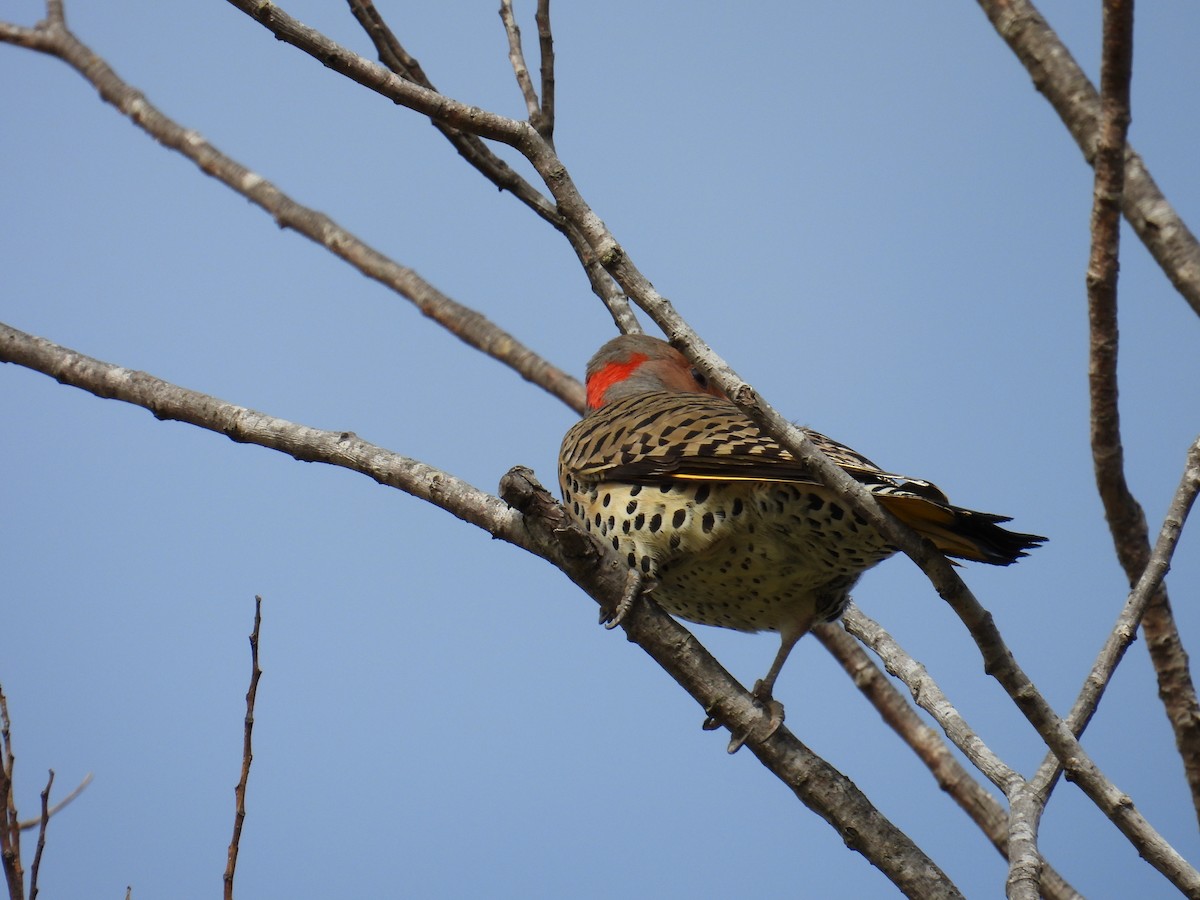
(247, 753)
(929, 696)
(61, 804)
(41, 841)
(546, 52)
(516, 58)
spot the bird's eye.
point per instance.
(700, 378)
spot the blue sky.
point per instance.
(867, 209)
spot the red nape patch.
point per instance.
(598, 384)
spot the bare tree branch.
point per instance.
(469, 325)
(1057, 76)
(1060, 79)
(247, 753)
(471, 148)
(344, 448)
(951, 776)
(41, 841)
(10, 827)
(929, 696)
(60, 805)
(1126, 520)
(516, 57)
(546, 52)
(1142, 595)
(396, 58)
(520, 135)
(1125, 629)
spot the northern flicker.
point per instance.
(724, 525)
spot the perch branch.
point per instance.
(531, 519)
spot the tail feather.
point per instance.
(963, 533)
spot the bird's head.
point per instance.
(637, 364)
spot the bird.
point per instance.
(720, 523)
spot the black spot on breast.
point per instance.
(736, 509)
(708, 522)
(607, 500)
(815, 502)
(639, 521)
(655, 523)
(702, 493)
(635, 490)
(678, 519)
(836, 512)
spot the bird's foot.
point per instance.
(633, 588)
(772, 707)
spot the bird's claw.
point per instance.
(610, 619)
(763, 699)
